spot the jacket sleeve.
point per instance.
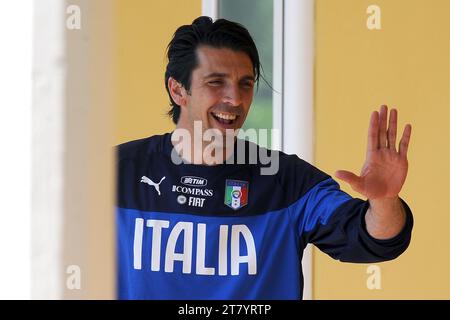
(335, 222)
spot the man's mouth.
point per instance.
(225, 118)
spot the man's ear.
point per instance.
(177, 92)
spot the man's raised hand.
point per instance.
(386, 167)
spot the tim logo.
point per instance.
(194, 181)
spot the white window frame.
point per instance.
(297, 107)
(210, 8)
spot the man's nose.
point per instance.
(232, 95)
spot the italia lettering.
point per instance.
(229, 256)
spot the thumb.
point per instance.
(352, 179)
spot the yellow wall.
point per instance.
(144, 29)
(406, 64)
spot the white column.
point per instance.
(298, 90)
(48, 127)
(15, 141)
(73, 218)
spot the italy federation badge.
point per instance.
(236, 193)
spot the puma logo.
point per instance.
(150, 182)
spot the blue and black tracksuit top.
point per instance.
(226, 231)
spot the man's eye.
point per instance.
(247, 85)
(215, 82)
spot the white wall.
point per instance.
(15, 148)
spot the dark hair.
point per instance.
(181, 51)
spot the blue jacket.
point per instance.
(227, 231)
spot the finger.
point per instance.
(404, 142)
(392, 131)
(352, 179)
(372, 139)
(382, 130)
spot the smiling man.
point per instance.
(193, 225)
(223, 83)
(217, 98)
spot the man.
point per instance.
(194, 224)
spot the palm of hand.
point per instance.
(385, 169)
(383, 175)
